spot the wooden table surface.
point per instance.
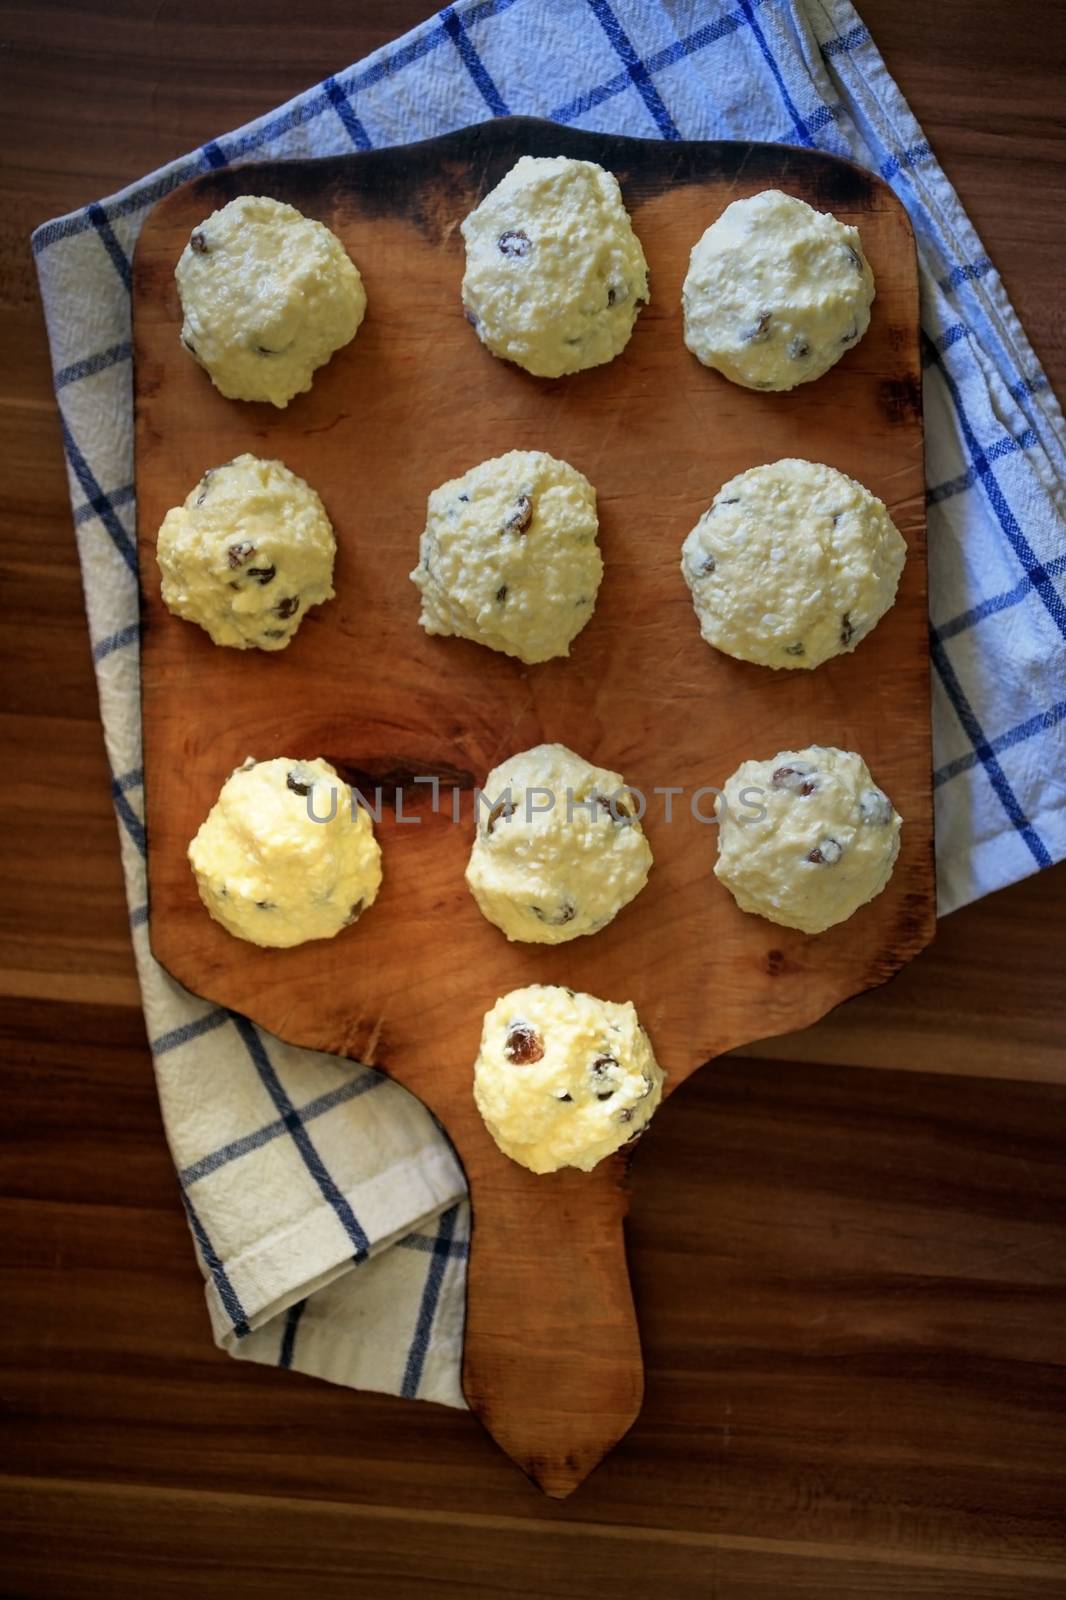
(853, 1309)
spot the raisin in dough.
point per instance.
(267, 295)
(564, 1079)
(284, 856)
(509, 556)
(555, 276)
(246, 555)
(792, 563)
(559, 849)
(776, 292)
(826, 845)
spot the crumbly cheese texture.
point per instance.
(826, 843)
(284, 855)
(246, 555)
(776, 292)
(555, 276)
(267, 295)
(792, 563)
(564, 1079)
(509, 556)
(559, 849)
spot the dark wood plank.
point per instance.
(852, 1292)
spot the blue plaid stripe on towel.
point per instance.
(329, 1214)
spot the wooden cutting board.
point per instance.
(552, 1362)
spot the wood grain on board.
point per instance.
(416, 400)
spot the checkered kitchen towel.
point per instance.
(295, 1169)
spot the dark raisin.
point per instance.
(298, 783)
(557, 919)
(263, 575)
(847, 628)
(266, 905)
(614, 808)
(515, 242)
(850, 338)
(274, 633)
(263, 350)
(501, 594)
(626, 1114)
(503, 811)
(706, 566)
(799, 780)
(524, 1044)
(797, 649)
(734, 500)
(354, 914)
(205, 484)
(521, 516)
(199, 242)
(568, 1099)
(799, 349)
(465, 498)
(875, 807)
(287, 607)
(190, 347)
(827, 852)
(238, 554)
(616, 293)
(854, 257)
(760, 331)
(601, 1065)
(605, 1094)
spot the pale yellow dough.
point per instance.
(509, 556)
(564, 1079)
(267, 295)
(555, 276)
(246, 555)
(559, 849)
(826, 844)
(776, 292)
(283, 856)
(792, 563)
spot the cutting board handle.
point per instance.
(552, 1361)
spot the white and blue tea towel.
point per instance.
(329, 1213)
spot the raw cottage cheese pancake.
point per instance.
(564, 1079)
(509, 556)
(267, 296)
(247, 553)
(776, 292)
(825, 844)
(555, 276)
(284, 856)
(559, 849)
(792, 563)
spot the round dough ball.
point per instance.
(825, 844)
(509, 556)
(247, 554)
(555, 276)
(564, 1079)
(776, 292)
(285, 854)
(559, 849)
(267, 295)
(792, 563)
